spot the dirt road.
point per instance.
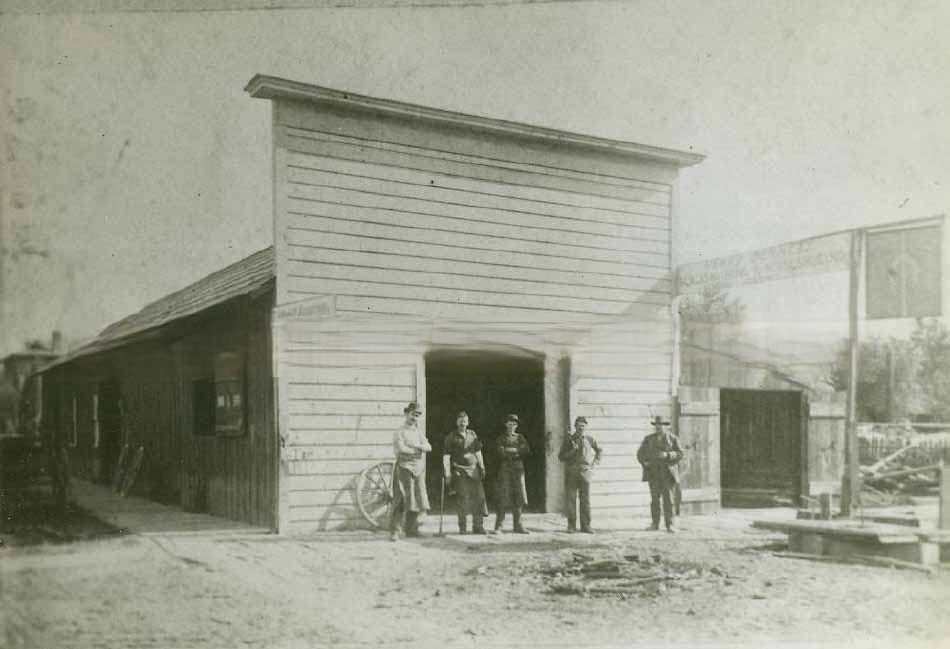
(265, 591)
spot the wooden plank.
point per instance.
(338, 452)
(352, 375)
(350, 467)
(337, 422)
(518, 225)
(411, 247)
(333, 482)
(354, 359)
(598, 385)
(606, 399)
(305, 438)
(481, 311)
(332, 146)
(649, 253)
(322, 392)
(327, 407)
(478, 269)
(475, 145)
(454, 280)
(393, 181)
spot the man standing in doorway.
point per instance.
(579, 453)
(464, 466)
(409, 482)
(659, 454)
(512, 448)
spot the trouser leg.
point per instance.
(412, 523)
(499, 517)
(570, 489)
(583, 489)
(398, 509)
(462, 522)
(516, 515)
(478, 523)
(655, 503)
(668, 506)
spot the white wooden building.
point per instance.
(466, 263)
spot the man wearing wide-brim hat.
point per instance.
(659, 454)
(409, 481)
(512, 448)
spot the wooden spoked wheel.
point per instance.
(374, 493)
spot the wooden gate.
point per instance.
(697, 425)
(823, 448)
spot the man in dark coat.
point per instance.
(464, 467)
(659, 455)
(512, 448)
(579, 453)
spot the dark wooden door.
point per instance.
(761, 440)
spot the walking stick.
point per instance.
(442, 505)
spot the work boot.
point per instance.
(478, 526)
(587, 530)
(517, 524)
(412, 525)
(571, 527)
(653, 527)
(394, 536)
(670, 529)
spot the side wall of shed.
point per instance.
(231, 477)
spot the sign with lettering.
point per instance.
(810, 256)
(317, 308)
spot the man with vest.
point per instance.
(579, 453)
(659, 454)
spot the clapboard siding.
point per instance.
(362, 205)
(485, 155)
(412, 248)
(427, 237)
(357, 259)
(444, 163)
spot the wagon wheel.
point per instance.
(374, 493)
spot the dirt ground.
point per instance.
(222, 590)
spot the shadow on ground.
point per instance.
(30, 517)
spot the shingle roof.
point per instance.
(240, 278)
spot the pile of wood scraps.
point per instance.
(629, 576)
(898, 474)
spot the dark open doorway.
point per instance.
(110, 429)
(488, 386)
(761, 446)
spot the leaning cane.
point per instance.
(442, 505)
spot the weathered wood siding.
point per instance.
(235, 476)
(398, 218)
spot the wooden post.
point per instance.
(943, 519)
(850, 486)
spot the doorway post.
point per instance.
(556, 404)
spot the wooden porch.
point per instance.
(145, 517)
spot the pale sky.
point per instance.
(141, 165)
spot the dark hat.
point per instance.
(580, 419)
(461, 414)
(659, 421)
(413, 407)
(512, 417)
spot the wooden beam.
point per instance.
(850, 486)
